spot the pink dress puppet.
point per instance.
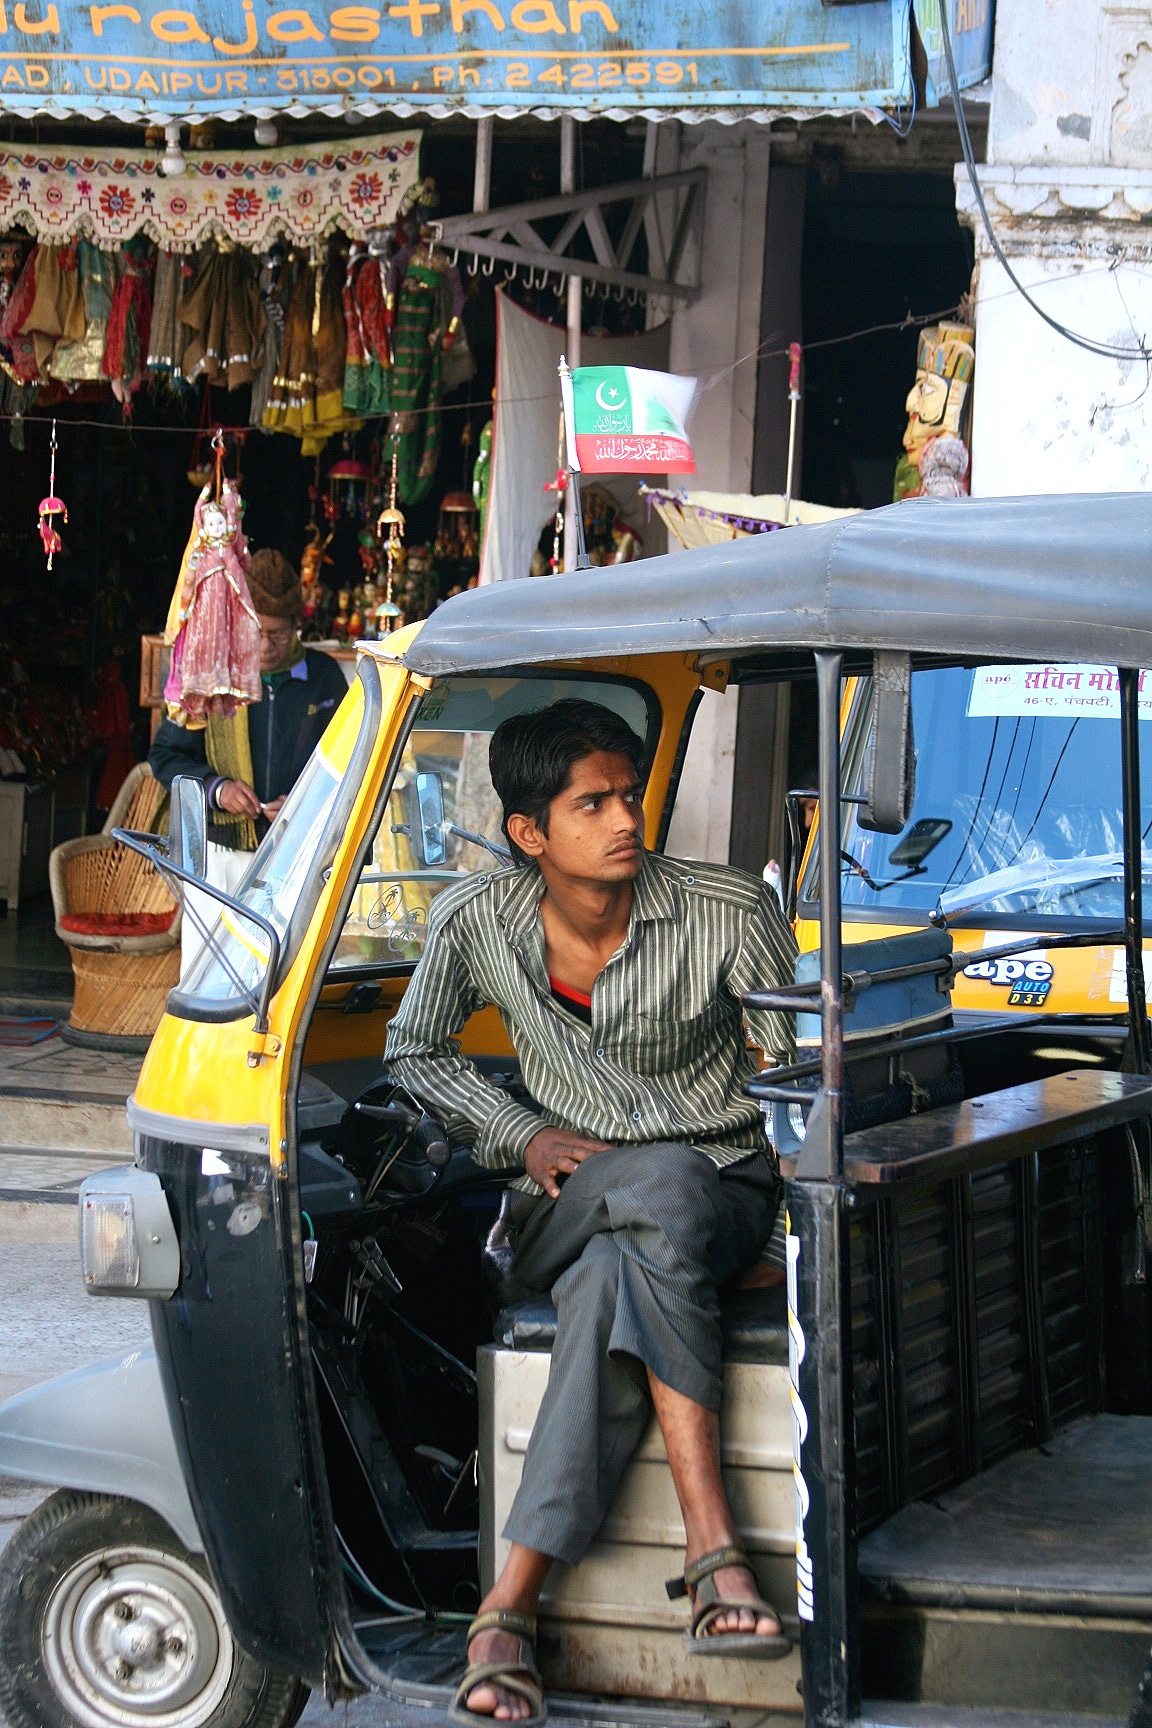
(216, 654)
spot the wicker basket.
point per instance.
(121, 981)
(121, 995)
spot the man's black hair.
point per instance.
(532, 756)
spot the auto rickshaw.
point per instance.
(937, 1440)
(1014, 828)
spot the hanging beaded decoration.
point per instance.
(51, 507)
(392, 519)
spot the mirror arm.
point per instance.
(146, 846)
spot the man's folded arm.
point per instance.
(766, 958)
(422, 1054)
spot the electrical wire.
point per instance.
(901, 130)
(1103, 350)
(401, 1610)
(910, 321)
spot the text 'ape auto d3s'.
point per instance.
(937, 1440)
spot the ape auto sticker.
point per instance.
(1028, 981)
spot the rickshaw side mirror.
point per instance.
(430, 826)
(891, 782)
(188, 825)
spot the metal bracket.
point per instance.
(263, 1044)
(510, 234)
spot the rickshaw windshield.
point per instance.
(1017, 814)
(423, 847)
(284, 879)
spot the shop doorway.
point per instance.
(856, 261)
(878, 248)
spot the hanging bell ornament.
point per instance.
(50, 508)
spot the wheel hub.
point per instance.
(136, 1638)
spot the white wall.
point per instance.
(1048, 417)
(1069, 190)
(1072, 83)
(708, 339)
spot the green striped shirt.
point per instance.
(667, 1054)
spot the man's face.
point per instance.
(276, 638)
(595, 826)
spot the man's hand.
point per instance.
(272, 809)
(554, 1152)
(238, 798)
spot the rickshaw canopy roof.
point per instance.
(1034, 578)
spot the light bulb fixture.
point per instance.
(266, 133)
(172, 162)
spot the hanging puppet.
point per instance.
(50, 508)
(212, 624)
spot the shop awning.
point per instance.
(304, 192)
(707, 518)
(619, 58)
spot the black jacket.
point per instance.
(283, 730)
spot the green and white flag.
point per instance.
(622, 420)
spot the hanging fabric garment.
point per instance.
(416, 382)
(57, 310)
(170, 335)
(78, 362)
(212, 624)
(129, 321)
(17, 348)
(368, 363)
(272, 275)
(307, 398)
(222, 308)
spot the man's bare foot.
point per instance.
(733, 1584)
(489, 1699)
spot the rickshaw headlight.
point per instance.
(128, 1242)
(109, 1251)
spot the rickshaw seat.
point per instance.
(754, 1322)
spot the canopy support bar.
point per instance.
(1138, 1056)
(824, 1141)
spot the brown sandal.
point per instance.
(515, 1675)
(699, 1584)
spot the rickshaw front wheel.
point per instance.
(107, 1621)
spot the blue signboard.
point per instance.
(221, 56)
(970, 22)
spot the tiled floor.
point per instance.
(63, 1070)
(34, 963)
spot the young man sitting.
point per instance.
(648, 1183)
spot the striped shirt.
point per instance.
(666, 1054)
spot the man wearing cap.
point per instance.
(301, 689)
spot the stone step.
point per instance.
(39, 1186)
(65, 1099)
(63, 1121)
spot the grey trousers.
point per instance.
(633, 1251)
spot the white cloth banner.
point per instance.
(525, 440)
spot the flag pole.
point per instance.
(574, 513)
(794, 352)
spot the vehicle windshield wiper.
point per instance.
(1039, 873)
